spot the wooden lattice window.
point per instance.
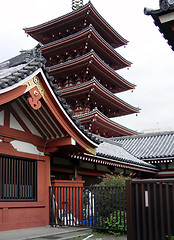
(18, 179)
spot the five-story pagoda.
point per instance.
(79, 49)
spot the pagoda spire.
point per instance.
(76, 4)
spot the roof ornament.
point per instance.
(166, 4)
(76, 4)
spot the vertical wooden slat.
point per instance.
(66, 203)
(6, 167)
(144, 227)
(92, 224)
(79, 202)
(124, 207)
(168, 212)
(102, 204)
(88, 207)
(85, 204)
(58, 202)
(60, 206)
(63, 202)
(95, 208)
(113, 203)
(72, 204)
(161, 212)
(75, 212)
(69, 192)
(150, 233)
(129, 210)
(137, 209)
(155, 210)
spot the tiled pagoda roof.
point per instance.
(102, 120)
(101, 91)
(86, 12)
(92, 37)
(92, 60)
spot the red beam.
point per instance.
(66, 141)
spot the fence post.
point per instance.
(129, 209)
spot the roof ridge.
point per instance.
(141, 135)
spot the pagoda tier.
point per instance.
(84, 97)
(99, 124)
(80, 43)
(86, 67)
(80, 55)
(74, 22)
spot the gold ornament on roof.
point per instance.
(76, 4)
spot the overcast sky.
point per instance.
(152, 58)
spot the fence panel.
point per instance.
(93, 207)
(150, 209)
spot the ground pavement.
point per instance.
(49, 233)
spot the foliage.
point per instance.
(116, 221)
(112, 197)
(115, 224)
(113, 180)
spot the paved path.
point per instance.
(49, 233)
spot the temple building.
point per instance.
(79, 52)
(53, 98)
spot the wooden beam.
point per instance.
(15, 93)
(65, 141)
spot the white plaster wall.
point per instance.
(14, 124)
(26, 147)
(2, 118)
(26, 120)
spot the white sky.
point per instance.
(152, 58)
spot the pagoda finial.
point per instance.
(76, 4)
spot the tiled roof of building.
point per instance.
(148, 145)
(112, 153)
(165, 27)
(115, 151)
(14, 70)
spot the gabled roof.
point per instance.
(99, 120)
(103, 95)
(14, 81)
(165, 21)
(88, 13)
(149, 146)
(93, 40)
(94, 63)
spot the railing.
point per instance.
(150, 209)
(94, 207)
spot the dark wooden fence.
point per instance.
(94, 207)
(150, 209)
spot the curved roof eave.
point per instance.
(86, 31)
(16, 82)
(102, 89)
(101, 116)
(89, 57)
(81, 10)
